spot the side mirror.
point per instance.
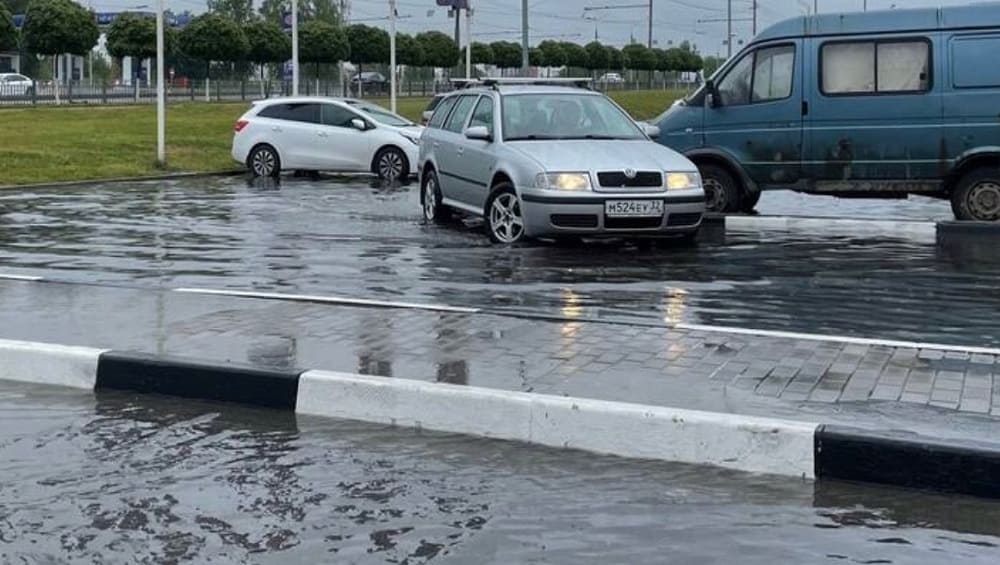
(359, 124)
(711, 94)
(652, 131)
(478, 132)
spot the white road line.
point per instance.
(328, 300)
(19, 277)
(839, 339)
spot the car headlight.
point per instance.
(681, 181)
(563, 181)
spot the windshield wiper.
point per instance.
(533, 137)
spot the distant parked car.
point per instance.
(14, 84)
(325, 134)
(612, 78)
(371, 82)
(539, 160)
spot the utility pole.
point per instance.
(524, 37)
(865, 6)
(815, 7)
(468, 42)
(729, 29)
(649, 41)
(754, 30)
(161, 97)
(392, 55)
(295, 47)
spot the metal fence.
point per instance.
(39, 93)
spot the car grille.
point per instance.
(643, 179)
(688, 219)
(574, 220)
(632, 223)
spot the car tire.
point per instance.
(722, 191)
(504, 219)
(430, 200)
(391, 164)
(30, 91)
(264, 161)
(976, 197)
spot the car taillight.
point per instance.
(239, 125)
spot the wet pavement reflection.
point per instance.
(122, 479)
(349, 237)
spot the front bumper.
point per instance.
(552, 215)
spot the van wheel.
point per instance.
(722, 192)
(749, 202)
(977, 196)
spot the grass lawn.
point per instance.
(66, 143)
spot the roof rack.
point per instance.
(494, 82)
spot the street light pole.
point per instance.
(729, 29)
(524, 37)
(392, 55)
(468, 42)
(161, 96)
(649, 41)
(295, 47)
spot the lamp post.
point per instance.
(161, 96)
(392, 55)
(295, 48)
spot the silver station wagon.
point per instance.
(542, 160)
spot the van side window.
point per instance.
(967, 56)
(867, 67)
(762, 76)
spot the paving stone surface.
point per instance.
(654, 365)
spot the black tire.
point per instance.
(264, 161)
(976, 197)
(391, 164)
(749, 202)
(504, 220)
(30, 91)
(722, 191)
(433, 211)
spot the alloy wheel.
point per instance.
(390, 165)
(506, 222)
(430, 198)
(263, 162)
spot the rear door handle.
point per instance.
(275, 128)
(322, 134)
(461, 150)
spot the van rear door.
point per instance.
(874, 121)
(757, 113)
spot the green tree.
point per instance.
(134, 35)
(577, 56)
(240, 11)
(369, 45)
(552, 54)
(321, 42)
(211, 37)
(482, 54)
(439, 48)
(8, 35)
(266, 44)
(408, 51)
(506, 54)
(616, 61)
(597, 56)
(535, 57)
(641, 58)
(711, 64)
(323, 10)
(55, 27)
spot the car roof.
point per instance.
(526, 89)
(296, 100)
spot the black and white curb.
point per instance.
(744, 443)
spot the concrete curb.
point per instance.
(744, 443)
(165, 176)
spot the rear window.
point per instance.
(460, 114)
(442, 112)
(305, 112)
(968, 55)
(433, 103)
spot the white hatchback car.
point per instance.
(13, 84)
(325, 134)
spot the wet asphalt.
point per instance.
(352, 237)
(115, 478)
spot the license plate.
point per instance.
(633, 208)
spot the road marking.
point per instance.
(19, 278)
(328, 300)
(839, 339)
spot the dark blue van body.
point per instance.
(876, 104)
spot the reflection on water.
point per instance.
(119, 478)
(357, 237)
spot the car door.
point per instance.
(342, 146)
(451, 146)
(874, 120)
(291, 129)
(475, 157)
(756, 117)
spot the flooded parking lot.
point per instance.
(348, 237)
(116, 478)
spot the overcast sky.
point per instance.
(673, 20)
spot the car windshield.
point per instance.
(384, 116)
(565, 116)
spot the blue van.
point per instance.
(873, 105)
